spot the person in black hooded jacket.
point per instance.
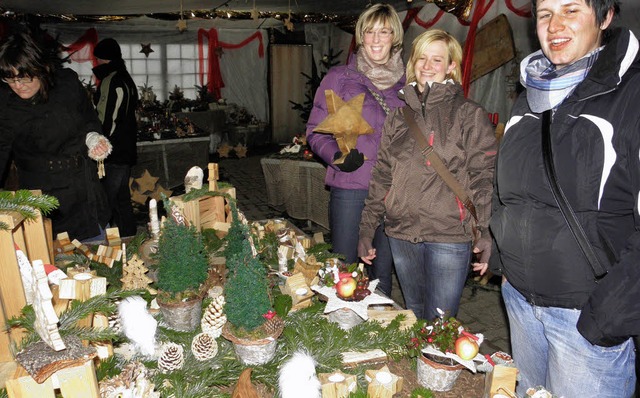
(583, 87)
(116, 101)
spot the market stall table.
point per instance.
(297, 187)
(171, 159)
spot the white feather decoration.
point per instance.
(138, 325)
(297, 377)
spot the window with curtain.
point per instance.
(169, 65)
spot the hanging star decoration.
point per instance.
(335, 303)
(344, 121)
(255, 14)
(287, 23)
(182, 23)
(219, 51)
(146, 49)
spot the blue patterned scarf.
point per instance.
(547, 86)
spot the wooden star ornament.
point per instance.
(344, 121)
(146, 182)
(146, 49)
(181, 25)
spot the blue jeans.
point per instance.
(345, 211)
(549, 351)
(431, 275)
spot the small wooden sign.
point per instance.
(493, 47)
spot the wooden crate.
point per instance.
(31, 237)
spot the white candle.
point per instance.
(153, 218)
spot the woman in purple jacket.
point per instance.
(377, 70)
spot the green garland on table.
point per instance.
(26, 204)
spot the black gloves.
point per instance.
(352, 162)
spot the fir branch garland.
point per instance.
(26, 204)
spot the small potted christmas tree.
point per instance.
(251, 325)
(182, 272)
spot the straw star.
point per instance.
(146, 49)
(335, 303)
(344, 121)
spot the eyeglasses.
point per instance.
(382, 34)
(16, 80)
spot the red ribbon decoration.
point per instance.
(214, 77)
(467, 56)
(428, 24)
(78, 49)
(524, 11)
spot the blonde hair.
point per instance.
(384, 14)
(420, 44)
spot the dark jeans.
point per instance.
(345, 211)
(431, 275)
(116, 185)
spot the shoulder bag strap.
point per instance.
(436, 162)
(599, 270)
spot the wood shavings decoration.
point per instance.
(146, 49)
(133, 382)
(223, 150)
(241, 150)
(46, 324)
(344, 121)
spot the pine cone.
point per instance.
(214, 318)
(171, 358)
(274, 326)
(204, 346)
(114, 322)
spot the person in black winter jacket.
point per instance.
(48, 125)
(570, 322)
(116, 101)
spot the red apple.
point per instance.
(466, 347)
(346, 286)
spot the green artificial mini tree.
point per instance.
(182, 261)
(247, 286)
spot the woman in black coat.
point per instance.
(49, 127)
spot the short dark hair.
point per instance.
(21, 55)
(600, 7)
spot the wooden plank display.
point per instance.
(493, 47)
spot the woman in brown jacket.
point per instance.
(429, 228)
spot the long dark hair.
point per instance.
(22, 55)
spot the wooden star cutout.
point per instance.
(139, 197)
(146, 49)
(241, 150)
(382, 383)
(146, 182)
(223, 150)
(335, 303)
(288, 24)
(255, 14)
(344, 121)
(181, 25)
(156, 194)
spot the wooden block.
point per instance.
(351, 359)
(63, 243)
(337, 384)
(78, 381)
(83, 248)
(113, 237)
(499, 379)
(382, 383)
(386, 316)
(82, 287)
(25, 387)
